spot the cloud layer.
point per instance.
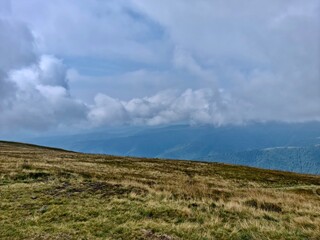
(91, 63)
(195, 106)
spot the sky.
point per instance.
(74, 65)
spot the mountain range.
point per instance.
(282, 146)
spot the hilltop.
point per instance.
(49, 193)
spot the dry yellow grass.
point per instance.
(53, 194)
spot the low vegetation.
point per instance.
(54, 194)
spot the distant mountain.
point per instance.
(291, 147)
(295, 159)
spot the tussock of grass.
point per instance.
(52, 194)
(266, 206)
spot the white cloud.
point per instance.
(107, 111)
(192, 106)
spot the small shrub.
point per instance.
(251, 203)
(43, 209)
(213, 205)
(266, 206)
(245, 235)
(32, 176)
(270, 207)
(269, 218)
(26, 165)
(193, 205)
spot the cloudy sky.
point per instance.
(82, 64)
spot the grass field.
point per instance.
(54, 194)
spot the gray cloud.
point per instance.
(205, 61)
(33, 89)
(16, 47)
(264, 53)
(91, 28)
(37, 101)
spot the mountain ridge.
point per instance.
(208, 143)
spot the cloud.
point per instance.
(209, 62)
(91, 28)
(16, 47)
(33, 89)
(39, 102)
(107, 111)
(266, 54)
(202, 106)
(53, 72)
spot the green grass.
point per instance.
(54, 194)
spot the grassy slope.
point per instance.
(53, 194)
